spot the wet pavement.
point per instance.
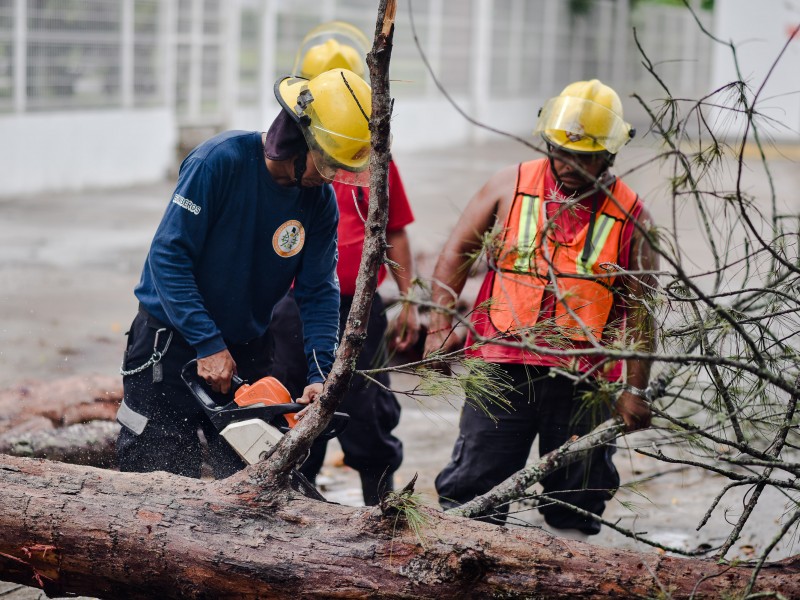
(69, 262)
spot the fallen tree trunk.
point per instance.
(81, 530)
(30, 406)
(92, 444)
(70, 419)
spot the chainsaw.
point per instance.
(254, 421)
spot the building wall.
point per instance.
(85, 93)
(79, 75)
(44, 152)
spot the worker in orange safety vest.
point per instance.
(570, 269)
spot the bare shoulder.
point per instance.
(646, 229)
(643, 254)
(495, 196)
(488, 205)
(645, 217)
(502, 183)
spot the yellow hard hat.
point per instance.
(331, 55)
(332, 45)
(333, 110)
(586, 117)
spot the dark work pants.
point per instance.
(487, 452)
(169, 441)
(367, 442)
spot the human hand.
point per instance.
(634, 411)
(404, 329)
(217, 370)
(310, 394)
(441, 340)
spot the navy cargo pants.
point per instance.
(160, 418)
(367, 442)
(488, 452)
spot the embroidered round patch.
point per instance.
(289, 238)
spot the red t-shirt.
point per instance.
(352, 221)
(568, 222)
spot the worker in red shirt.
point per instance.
(368, 443)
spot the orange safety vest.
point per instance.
(527, 263)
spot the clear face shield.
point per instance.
(356, 173)
(340, 151)
(332, 45)
(582, 126)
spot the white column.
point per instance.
(548, 49)
(266, 75)
(481, 62)
(689, 56)
(515, 73)
(622, 35)
(232, 50)
(577, 48)
(433, 49)
(195, 60)
(126, 54)
(167, 32)
(602, 28)
(20, 55)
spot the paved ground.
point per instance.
(68, 263)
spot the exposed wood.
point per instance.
(71, 529)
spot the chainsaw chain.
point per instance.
(153, 360)
(302, 485)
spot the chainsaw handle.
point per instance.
(193, 382)
(186, 375)
(289, 407)
(221, 415)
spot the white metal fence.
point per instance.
(6, 55)
(151, 72)
(204, 58)
(60, 55)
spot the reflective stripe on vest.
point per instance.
(527, 261)
(528, 226)
(602, 229)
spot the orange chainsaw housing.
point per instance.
(267, 390)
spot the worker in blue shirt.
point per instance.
(252, 214)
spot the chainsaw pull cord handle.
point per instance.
(154, 359)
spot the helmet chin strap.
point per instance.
(300, 168)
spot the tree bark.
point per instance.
(81, 530)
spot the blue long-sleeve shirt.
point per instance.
(229, 246)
